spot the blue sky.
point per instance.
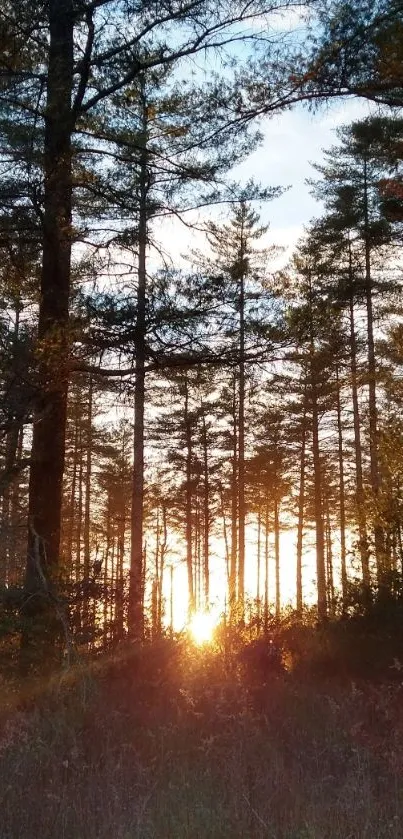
(293, 139)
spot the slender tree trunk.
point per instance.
(329, 562)
(48, 443)
(234, 510)
(320, 535)
(14, 571)
(77, 574)
(206, 517)
(373, 412)
(225, 535)
(88, 477)
(301, 505)
(188, 512)
(259, 561)
(241, 446)
(277, 555)
(162, 564)
(362, 526)
(87, 507)
(9, 478)
(8, 524)
(136, 593)
(266, 564)
(342, 503)
(72, 501)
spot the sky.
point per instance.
(292, 141)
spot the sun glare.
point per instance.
(201, 627)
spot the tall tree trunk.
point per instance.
(301, 505)
(77, 570)
(373, 413)
(241, 445)
(320, 536)
(136, 593)
(266, 564)
(225, 535)
(259, 561)
(163, 550)
(188, 512)
(87, 507)
(49, 428)
(342, 502)
(72, 501)
(362, 525)
(206, 518)
(234, 510)
(329, 562)
(277, 554)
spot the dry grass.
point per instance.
(170, 745)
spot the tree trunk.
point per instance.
(362, 526)
(277, 555)
(48, 443)
(136, 594)
(241, 446)
(234, 511)
(189, 453)
(373, 413)
(259, 561)
(301, 505)
(320, 536)
(87, 507)
(342, 503)
(206, 518)
(266, 564)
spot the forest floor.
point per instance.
(171, 742)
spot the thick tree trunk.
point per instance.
(48, 444)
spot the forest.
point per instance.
(201, 430)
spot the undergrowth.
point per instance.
(172, 742)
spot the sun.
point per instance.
(202, 626)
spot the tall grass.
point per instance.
(174, 744)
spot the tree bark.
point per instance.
(319, 527)
(48, 444)
(342, 501)
(241, 441)
(136, 593)
(301, 505)
(372, 404)
(188, 525)
(206, 518)
(234, 511)
(362, 525)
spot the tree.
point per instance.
(91, 51)
(358, 49)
